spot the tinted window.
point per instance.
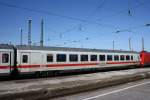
(141, 55)
(102, 57)
(49, 58)
(73, 57)
(25, 58)
(61, 57)
(84, 57)
(116, 57)
(131, 57)
(127, 57)
(93, 57)
(5, 58)
(109, 57)
(121, 57)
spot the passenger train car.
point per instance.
(36, 59)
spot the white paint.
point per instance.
(115, 91)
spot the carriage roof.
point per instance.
(24, 47)
(6, 46)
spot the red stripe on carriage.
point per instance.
(28, 66)
(4, 67)
(121, 62)
(68, 65)
(57, 65)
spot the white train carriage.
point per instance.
(6, 59)
(37, 59)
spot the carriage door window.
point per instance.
(25, 58)
(5, 58)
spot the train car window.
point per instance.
(25, 58)
(141, 55)
(127, 57)
(131, 57)
(61, 57)
(49, 58)
(84, 57)
(102, 57)
(121, 57)
(109, 57)
(73, 57)
(116, 57)
(5, 58)
(93, 57)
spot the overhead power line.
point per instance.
(101, 4)
(125, 10)
(131, 28)
(40, 11)
(55, 14)
(80, 26)
(110, 26)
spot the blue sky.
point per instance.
(77, 23)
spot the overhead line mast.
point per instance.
(113, 45)
(130, 44)
(142, 44)
(29, 32)
(21, 36)
(41, 41)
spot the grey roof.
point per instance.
(6, 46)
(24, 47)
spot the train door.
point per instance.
(5, 62)
(25, 62)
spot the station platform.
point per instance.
(42, 88)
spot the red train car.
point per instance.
(145, 58)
